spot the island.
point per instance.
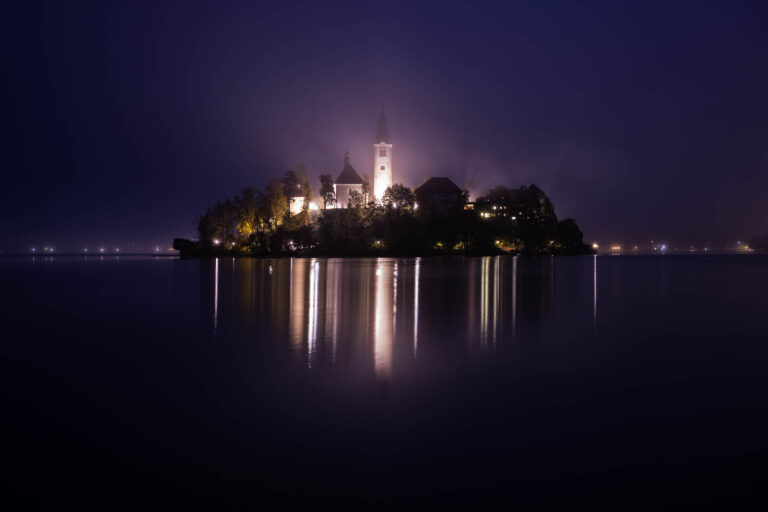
(437, 218)
(349, 217)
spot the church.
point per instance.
(350, 180)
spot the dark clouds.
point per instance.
(121, 122)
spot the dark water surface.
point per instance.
(624, 382)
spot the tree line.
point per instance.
(259, 223)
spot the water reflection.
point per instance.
(314, 272)
(489, 300)
(417, 268)
(332, 312)
(386, 310)
(297, 308)
(378, 315)
(514, 295)
(594, 289)
(215, 294)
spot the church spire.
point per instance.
(382, 159)
(383, 133)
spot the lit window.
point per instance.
(382, 152)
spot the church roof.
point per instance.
(348, 175)
(438, 186)
(382, 135)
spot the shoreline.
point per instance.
(210, 254)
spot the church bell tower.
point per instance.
(382, 159)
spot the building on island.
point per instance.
(438, 194)
(296, 200)
(494, 205)
(347, 181)
(382, 159)
(295, 205)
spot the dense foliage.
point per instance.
(258, 222)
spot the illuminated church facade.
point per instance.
(382, 158)
(349, 186)
(349, 180)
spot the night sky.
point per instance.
(121, 122)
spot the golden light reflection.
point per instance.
(489, 300)
(337, 312)
(314, 272)
(394, 298)
(297, 312)
(383, 319)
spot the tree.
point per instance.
(309, 194)
(218, 223)
(464, 198)
(327, 191)
(569, 236)
(525, 214)
(295, 181)
(273, 204)
(398, 196)
(366, 190)
(207, 228)
(247, 208)
(355, 199)
(344, 231)
(291, 184)
(257, 222)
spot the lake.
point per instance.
(594, 381)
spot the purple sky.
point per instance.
(122, 121)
